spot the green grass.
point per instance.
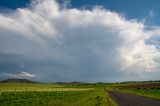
(110, 102)
(18, 94)
(149, 93)
(63, 98)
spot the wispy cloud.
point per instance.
(19, 75)
(151, 13)
(83, 45)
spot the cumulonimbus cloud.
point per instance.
(75, 44)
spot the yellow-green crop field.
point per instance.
(22, 87)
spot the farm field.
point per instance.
(85, 94)
(59, 98)
(21, 94)
(19, 87)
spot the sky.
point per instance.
(80, 40)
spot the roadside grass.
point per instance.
(149, 93)
(59, 98)
(110, 102)
(146, 92)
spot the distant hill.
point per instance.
(13, 80)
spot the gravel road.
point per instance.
(123, 99)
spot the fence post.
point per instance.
(0, 92)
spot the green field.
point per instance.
(60, 98)
(20, 94)
(23, 94)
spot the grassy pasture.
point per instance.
(61, 98)
(18, 94)
(21, 94)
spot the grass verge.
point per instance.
(149, 93)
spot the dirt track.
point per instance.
(123, 99)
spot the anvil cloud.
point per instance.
(57, 43)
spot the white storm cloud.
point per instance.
(74, 44)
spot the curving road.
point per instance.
(123, 99)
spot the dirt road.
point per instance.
(123, 99)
